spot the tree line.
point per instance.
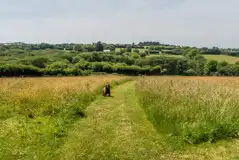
(16, 61)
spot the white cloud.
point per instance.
(189, 22)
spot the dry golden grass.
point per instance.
(27, 88)
(24, 95)
(36, 112)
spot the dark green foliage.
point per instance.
(83, 65)
(142, 55)
(210, 67)
(39, 62)
(108, 68)
(78, 48)
(97, 66)
(73, 71)
(99, 46)
(77, 59)
(229, 70)
(19, 70)
(214, 50)
(131, 70)
(156, 70)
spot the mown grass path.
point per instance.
(115, 128)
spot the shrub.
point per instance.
(19, 70)
(108, 68)
(156, 70)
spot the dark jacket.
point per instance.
(107, 88)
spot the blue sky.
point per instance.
(183, 22)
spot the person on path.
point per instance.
(106, 90)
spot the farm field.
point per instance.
(167, 55)
(229, 59)
(219, 58)
(148, 118)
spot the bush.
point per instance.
(108, 68)
(210, 67)
(58, 65)
(72, 71)
(86, 73)
(54, 72)
(190, 72)
(39, 62)
(155, 70)
(229, 70)
(19, 70)
(83, 65)
(97, 66)
(129, 70)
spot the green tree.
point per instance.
(39, 62)
(58, 65)
(143, 55)
(99, 46)
(89, 48)
(97, 67)
(191, 53)
(83, 65)
(78, 48)
(128, 49)
(108, 68)
(136, 50)
(135, 56)
(156, 70)
(210, 67)
(222, 64)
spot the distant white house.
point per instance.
(106, 50)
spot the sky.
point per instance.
(181, 22)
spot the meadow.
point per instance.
(191, 110)
(220, 58)
(35, 113)
(154, 117)
(166, 55)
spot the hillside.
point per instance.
(84, 59)
(219, 58)
(229, 59)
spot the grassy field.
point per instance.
(167, 55)
(141, 50)
(229, 59)
(192, 110)
(149, 118)
(35, 113)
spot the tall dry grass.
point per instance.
(192, 109)
(35, 112)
